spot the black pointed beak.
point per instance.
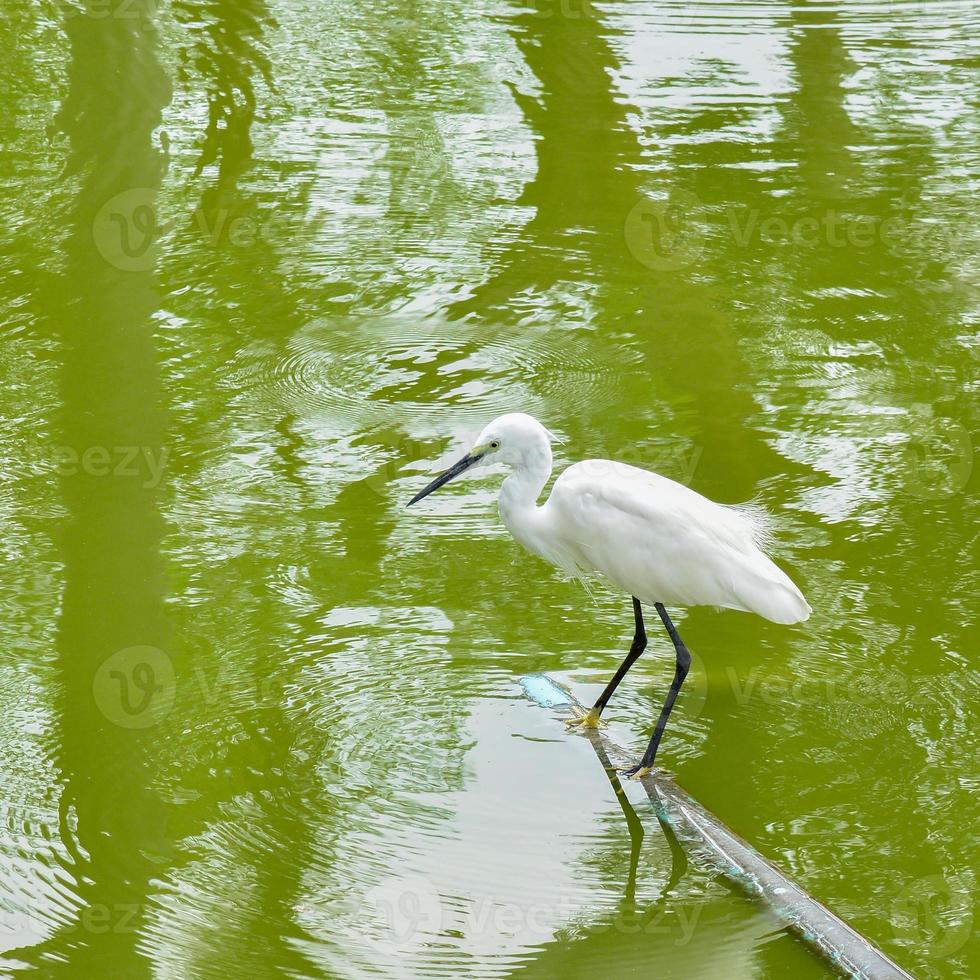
(443, 478)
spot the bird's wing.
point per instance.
(664, 542)
(599, 487)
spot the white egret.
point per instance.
(660, 541)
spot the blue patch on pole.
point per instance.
(541, 689)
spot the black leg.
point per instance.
(683, 665)
(636, 648)
(591, 720)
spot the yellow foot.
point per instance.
(589, 720)
(637, 772)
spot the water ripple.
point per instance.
(375, 372)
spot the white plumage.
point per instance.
(656, 539)
(662, 542)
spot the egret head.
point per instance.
(518, 440)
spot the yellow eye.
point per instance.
(494, 444)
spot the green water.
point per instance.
(265, 265)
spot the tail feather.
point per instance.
(784, 604)
(768, 591)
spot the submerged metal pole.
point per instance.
(707, 837)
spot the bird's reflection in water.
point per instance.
(678, 864)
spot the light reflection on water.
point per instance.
(730, 241)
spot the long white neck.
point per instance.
(519, 495)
